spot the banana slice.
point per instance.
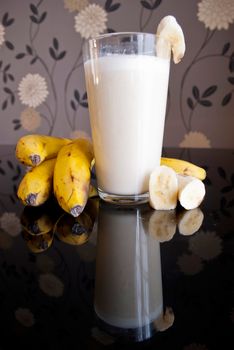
(163, 188)
(169, 31)
(162, 225)
(191, 191)
(165, 321)
(189, 221)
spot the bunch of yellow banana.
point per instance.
(63, 167)
(58, 166)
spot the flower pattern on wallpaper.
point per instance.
(195, 139)
(30, 119)
(32, 90)
(216, 14)
(89, 18)
(91, 21)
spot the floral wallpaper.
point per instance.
(42, 88)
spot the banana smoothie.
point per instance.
(127, 97)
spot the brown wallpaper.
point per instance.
(40, 50)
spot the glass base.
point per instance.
(124, 199)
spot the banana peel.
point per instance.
(184, 167)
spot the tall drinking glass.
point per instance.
(127, 85)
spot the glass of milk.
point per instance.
(127, 85)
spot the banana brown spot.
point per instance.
(31, 199)
(69, 154)
(35, 159)
(78, 229)
(77, 210)
(34, 228)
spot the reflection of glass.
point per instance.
(127, 93)
(128, 288)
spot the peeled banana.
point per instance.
(163, 188)
(36, 185)
(184, 168)
(31, 150)
(169, 31)
(72, 174)
(191, 191)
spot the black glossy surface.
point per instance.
(59, 287)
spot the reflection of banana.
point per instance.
(41, 219)
(36, 185)
(41, 225)
(163, 188)
(166, 321)
(38, 243)
(162, 225)
(74, 231)
(189, 221)
(184, 168)
(33, 149)
(191, 191)
(72, 176)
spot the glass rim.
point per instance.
(107, 35)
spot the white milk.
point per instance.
(127, 101)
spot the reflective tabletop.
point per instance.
(119, 277)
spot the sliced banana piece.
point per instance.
(165, 321)
(190, 221)
(162, 225)
(163, 188)
(191, 191)
(169, 32)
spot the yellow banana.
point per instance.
(33, 149)
(72, 176)
(184, 168)
(37, 184)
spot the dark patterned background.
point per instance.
(40, 38)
